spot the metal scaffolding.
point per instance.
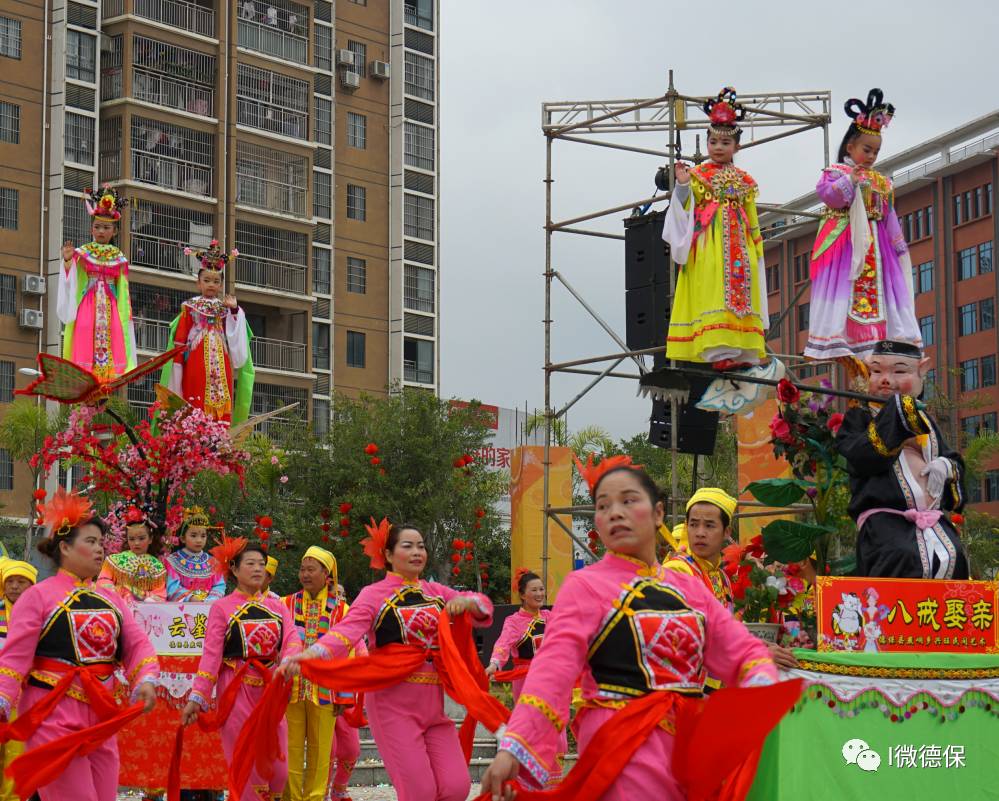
(772, 115)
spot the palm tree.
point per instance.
(587, 440)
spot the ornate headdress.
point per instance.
(104, 203)
(225, 552)
(196, 516)
(872, 116)
(64, 512)
(374, 543)
(517, 576)
(133, 516)
(592, 473)
(214, 258)
(724, 113)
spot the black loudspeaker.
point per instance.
(697, 430)
(646, 282)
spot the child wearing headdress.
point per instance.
(215, 371)
(93, 302)
(861, 272)
(136, 573)
(191, 573)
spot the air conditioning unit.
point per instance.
(380, 69)
(345, 58)
(32, 318)
(350, 80)
(33, 285)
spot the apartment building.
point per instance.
(303, 134)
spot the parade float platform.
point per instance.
(927, 726)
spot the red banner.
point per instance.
(870, 614)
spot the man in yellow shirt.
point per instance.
(709, 526)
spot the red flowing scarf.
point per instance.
(42, 765)
(712, 759)
(518, 671)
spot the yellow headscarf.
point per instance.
(13, 567)
(272, 566)
(324, 557)
(676, 539)
(716, 497)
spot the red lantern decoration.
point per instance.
(957, 519)
(39, 494)
(265, 535)
(478, 524)
(326, 537)
(256, 518)
(263, 547)
(344, 532)
(325, 514)
(457, 464)
(466, 460)
(469, 556)
(458, 544)
(375, 461)
(257, 531)
(266, 522)
(344, 522)
(455, 557)
(381, 471)
(325, 527)
(345, 507)
(455, 571)
(371, 449)
(480, 512)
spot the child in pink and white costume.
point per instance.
(416, 739)
(244, 627)
(631, 628)
(66, 622)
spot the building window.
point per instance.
(803, 317)
(357, 275)
(929, 220)
(992, 485)
(321, 346)
(420, 13)
(801, 267)
(324, 47)
(322, 194)
(79, 139)
(166, 155)
(987, 314)
(420, 76)
(419, 146)
(989, 370)
(989, 421)
(360, 51)
(966, 264)
(930, 385)
(8, 294)
(10, 123)
(988, 198)
(6, 470)
(418, 216)
(320, 417)
(967, 319)
(8, 208)
(355, 349)
(418, 289)
(357, 130)
(924, 283)
(907, 227)
(773, 277)
(958, 218)
(418, 361)
(324, 121)
(926, 330)
(271, 179)
(81, 56)
(10, 37)
(773, 328)
(320, 271)
(272, 102)
(279, 28)
(985, 258)
(357, 197)
(6, 382)
(917, 224)
(969, 375)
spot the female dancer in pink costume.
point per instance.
(417, 741)
(523, 630)
(632, 628)
(64, 624)
(248, 633)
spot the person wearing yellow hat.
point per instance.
(270, 571)
(313, 710)
(16, 578)
(708, 524)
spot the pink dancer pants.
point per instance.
(95, 776)
(256, 789)
(346, 752)
(418, 743)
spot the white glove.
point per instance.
(938, 472)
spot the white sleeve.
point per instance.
(177, 379)
(678, 228)
(66, 295)
(860, 234)
(761, 271)
(235, 333)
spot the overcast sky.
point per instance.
(935, 61)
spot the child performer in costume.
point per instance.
(903, 477)
(93, 301)
(191, 573)
(522, 631)
(136, 574)
(415, 738)
(640, 637)
(720, 305)
(215, 371)
(312, 713)
(247, 634)
(861, 272)
(16, 577)
(68, 637)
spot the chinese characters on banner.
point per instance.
(873, 615)
(174, 629)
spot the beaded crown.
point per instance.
(724, 113)
(213, 257)
(196, 516)
(104, 203)
(870, 117)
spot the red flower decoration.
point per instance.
(834, 422)
(345, 507)
(957, 519)
(457, 464)
(780, 429)
(266, 522)
(39, 494)
(375, 461)
(371, 449)
(455, 571)
(467, 460)
(787, 392)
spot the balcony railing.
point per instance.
(270, 274)
(272, 40)
(271, 118)
(277, 354)
(190, 17)
(152, 335)
(111, 83)
(162, 90)
(413, 373)
(271, 195)
(171, 173)
(159, 254)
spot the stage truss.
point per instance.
(602, 123)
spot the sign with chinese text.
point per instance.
(872, 615)
(174, 629)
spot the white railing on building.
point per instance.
(272, 118)
(277, 354)
(175, 13)
(271, 195)
(171, 173)
(162, 90)
(272, 40)
(413, 373)
(152, 335)
(159, 254)
(270, 274)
